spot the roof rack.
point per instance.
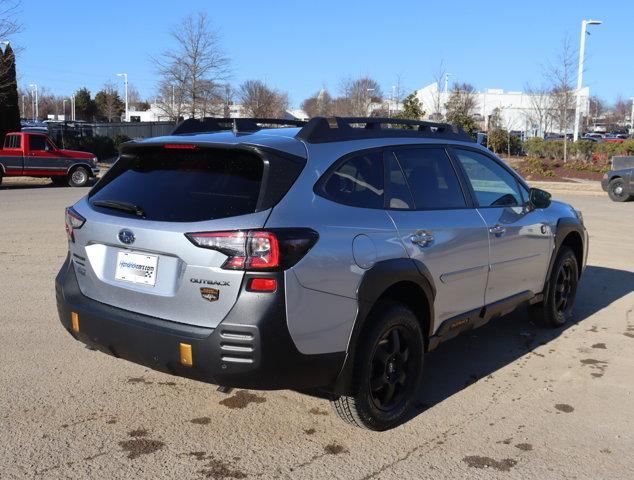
(338, 129)
(237, 125)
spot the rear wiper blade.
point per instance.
(123, 206)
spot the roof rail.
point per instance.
(237, 125)
(338, 129)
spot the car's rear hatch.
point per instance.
(132, 251)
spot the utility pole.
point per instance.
(125, 82)
(582, 53)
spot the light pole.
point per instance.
(632, 119)
(582, 53)
(125, 82)
(36, 111)
(447, 75)
(64, 109)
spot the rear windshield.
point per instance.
(183, 186)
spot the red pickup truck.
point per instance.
(35, 155)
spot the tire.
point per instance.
(617, 190)
(1, 178)
(556, 309)
(57, 181)
(79, 177)
(387, 370)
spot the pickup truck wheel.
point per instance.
(557, 306)
(0, 178)
(617, 190)
(78, 177)
(387, 371)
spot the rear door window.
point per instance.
(358, 181)
(431, 178)
(184, 186)
(13, 141)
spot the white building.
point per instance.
(518, 111)
(157, 114)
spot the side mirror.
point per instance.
(539, 198)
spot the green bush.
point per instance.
(582, 149)
(554, 149)
(101, 147)
(534, 147)
(498, 141)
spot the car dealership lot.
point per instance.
(510, 400)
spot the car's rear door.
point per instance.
(521, 238)
(438, 226)
(12, 158)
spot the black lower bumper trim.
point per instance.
(250, 348)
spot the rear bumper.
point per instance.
(250, 348)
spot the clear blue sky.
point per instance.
(299, 46)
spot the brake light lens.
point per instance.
(73, 221)
(180, 146)
(257, 249)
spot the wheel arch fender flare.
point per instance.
(565, 227)
(76, 165)
(376, 281)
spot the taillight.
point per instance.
(258, 249)
(73, 221)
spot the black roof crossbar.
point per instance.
(237, 125)
(339, 129)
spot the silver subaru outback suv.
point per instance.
(326, 256)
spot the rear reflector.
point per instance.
(262, 285)
(186, 354)
(74, 322)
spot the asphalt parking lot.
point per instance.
(508, 401)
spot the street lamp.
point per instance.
(447, 75)
(582, 53)
(36, 110)
(125, 82)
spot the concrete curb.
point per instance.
(586, 188)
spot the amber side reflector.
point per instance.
(186, 354)
(74, 322)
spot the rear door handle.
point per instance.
(422, 239)
(497, 230)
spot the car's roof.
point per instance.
(278, 138)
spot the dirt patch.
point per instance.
(310, 431)
(216, 469)
(599, 345)
(525, 447)
(476, 461)
(335, 449)
(139, 432)
(201, 421)
(318, 411)
(564, 407)
(140, 446)
(242, 399)
(595, 364)
(141, 380)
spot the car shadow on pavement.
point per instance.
(475, 355)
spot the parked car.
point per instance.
(619, 181)
(327, 258)
(29, 154)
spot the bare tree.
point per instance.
(539, 112)
(621, 111)
(561, 75)
(171, 100)
(260, 100)
(319, 105)
(439, 77)
(361, 93)
(197, 64)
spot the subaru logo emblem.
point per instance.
(126, 236)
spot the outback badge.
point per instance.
(210, 294)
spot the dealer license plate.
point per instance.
(136, 268)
